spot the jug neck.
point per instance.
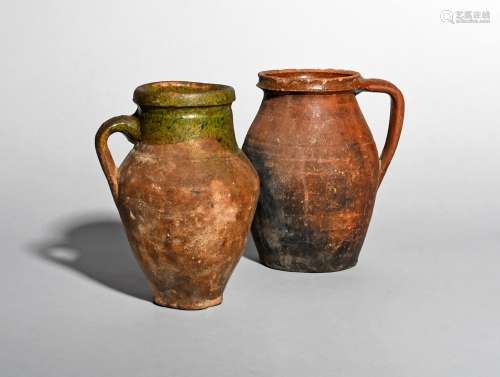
(180, 124)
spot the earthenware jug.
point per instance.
(318, 166)
(186, 194)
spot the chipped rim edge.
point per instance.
(308, 80)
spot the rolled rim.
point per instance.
(308, 80)
(183, 94)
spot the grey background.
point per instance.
(424, 299)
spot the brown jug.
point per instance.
(186, 193)
(318, 165)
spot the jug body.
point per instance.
(319, 170)
(185, 193)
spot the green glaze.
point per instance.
(174, 112)
(183, 93)
(127, 125)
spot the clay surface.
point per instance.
(187, 209)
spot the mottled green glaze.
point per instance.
(174, 125)
(175, 111)
(183, 93)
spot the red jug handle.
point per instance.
(395, 120)
(129, 126)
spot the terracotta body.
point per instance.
(186, 194)
(318, 166)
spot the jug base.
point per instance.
(308, 269)
(195, 305)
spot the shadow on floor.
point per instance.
(99, 250)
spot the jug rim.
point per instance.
(183, 94)
(305, 80)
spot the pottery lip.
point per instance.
(183, 94)
(308, 80)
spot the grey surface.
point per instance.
(424, 299)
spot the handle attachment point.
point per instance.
(130, 127)
(395, 120)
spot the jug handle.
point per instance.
(127, 125)
(395, 120)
